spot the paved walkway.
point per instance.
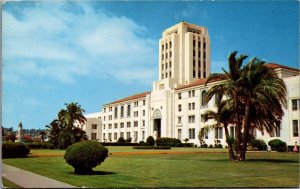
(28, 179)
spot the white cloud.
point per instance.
(71, 39)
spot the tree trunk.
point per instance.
(238, 129)
(246, 126)
(230, 149)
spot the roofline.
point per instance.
(129, 98)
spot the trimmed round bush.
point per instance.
(14, 150)
(258, 144)
(84, 156)
(168, 142)
(277, 145)
(150, 141)
(121, 140)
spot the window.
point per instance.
(162, 76)
(115, 125)
(103, 126)
(206, 134)
(162, 57)
(136, 103)
(170, 74)
(295, 104)
(109, 136)
(128, 124)
(144, 112)
(135, 124)
(104, 137)
(192, 93)
(166, 65)
(179, 107)
(128, 110)
(202, 118)
(219, 133)
(192, 106)
(104, 110)
(166, 45)
(166, 75)
(194, 73)
(110, 126)
(143, 135)
(94, 126)
(179, 120)
(295, 128)
(103, 118)
(170, 56)
(122, 111)
(122, 134)
(179, 134)
(122, 125)
(191, 133)
(135, 135)
(170, 44)
(110, 117)
(204, 101)
(204, 45)
(143, 123)
(162, 66)
(192, 119)
(194, 43)
(162, 47)
(115, 136)
(116, 112)
(179, 95)
(94, 136)
(166, 55)
(144, 102)
(128, 135)
(199, 44)
(135, 114)
(110, 109)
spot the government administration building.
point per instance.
(175, 106)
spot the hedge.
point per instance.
(14, 150)
(118, 144)
(277, 145)
(168, 142)
(40, 145)
(152, 147)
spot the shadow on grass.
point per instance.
(272, 160)
(95, 173)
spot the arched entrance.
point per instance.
(157, 123)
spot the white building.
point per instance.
(175, 106)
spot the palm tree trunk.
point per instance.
(246, 126)
(230, 149)
(238, 129)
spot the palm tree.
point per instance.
(223, 118)
(263, 93)
(230, 88)
(42, 133)
(54, 129)
(73, 113)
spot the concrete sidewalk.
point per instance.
(28, 179)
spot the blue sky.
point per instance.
(62, 52)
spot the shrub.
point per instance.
(142, 143)
(128, 140)
(210, 146)
(65, 139)
(150, 141)
(187, 144)
(168, 142)
(277, 145)
(84, 156)
(152, 147)
(230, 139)
(118, 144)
(258, 144)
(14, 150)
(121, 140)
(204, 146)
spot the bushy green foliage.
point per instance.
(168, 142)
(14, 150)
(40, 145)
(258, 144)
(230, 139)
(152, 147)
(142, 143)
(150, 141)
(84, 156)
(128, 140)
(118, 144)
(277, 145)
(65, 139)
(121, 140)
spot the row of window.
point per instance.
(166, 55)
(136, 104)
(122, 125)
(166, 65)
(122, 134)
(166, 45)
(166, 74)
(135, 113)
(199, 44)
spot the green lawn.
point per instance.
(184, 170)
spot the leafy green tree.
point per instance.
(42, 133)
(79, 134)
(54, 129)
(73, 113)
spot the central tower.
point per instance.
(184, 54)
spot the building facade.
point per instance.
(175, 106)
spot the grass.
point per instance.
(174, 170)
(8, 184)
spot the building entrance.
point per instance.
(157, 127)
